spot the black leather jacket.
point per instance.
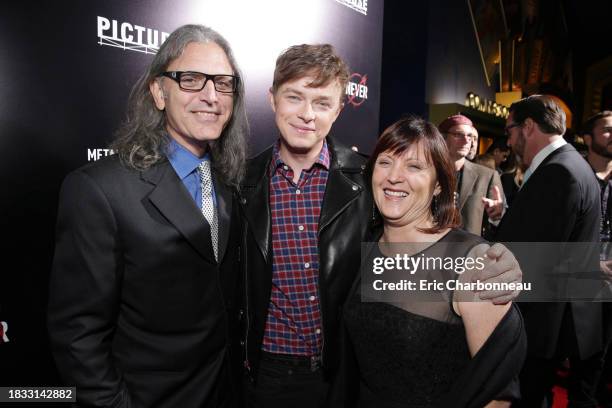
(345, 216)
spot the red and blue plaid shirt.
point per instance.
(293, 325)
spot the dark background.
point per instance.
(61, 94)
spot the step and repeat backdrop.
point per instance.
(66, 69)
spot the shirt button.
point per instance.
(307, 265)
(297, 191)
(355, 188)
(301, 228)
(312, 298)
(318, 331)
(285, 167)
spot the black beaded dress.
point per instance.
(414, 353)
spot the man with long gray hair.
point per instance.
(145, 269)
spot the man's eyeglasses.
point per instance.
(192, 81)
(510, 126)
(459, 135)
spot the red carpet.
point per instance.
(560, 400)
(560, 393)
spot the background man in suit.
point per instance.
(558, 202)
(144, 270)
(480, 196)
(597, 134)
(308, 205)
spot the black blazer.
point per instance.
(138, 307)
(560, 202)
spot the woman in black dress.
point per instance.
(408, 351)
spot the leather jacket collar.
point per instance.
(256, 197)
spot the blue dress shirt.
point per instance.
(186, 165)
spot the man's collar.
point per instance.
(323, 159)
(182, 160)
(543, 154)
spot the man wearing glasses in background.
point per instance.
(559, 201)
(479, 193)
(145, 268)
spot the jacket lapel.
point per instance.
(339, 193)
(224, 213)
(172, 199)
(256, 201)
(467, 183)
(340, 190)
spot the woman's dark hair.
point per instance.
(411, 130)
